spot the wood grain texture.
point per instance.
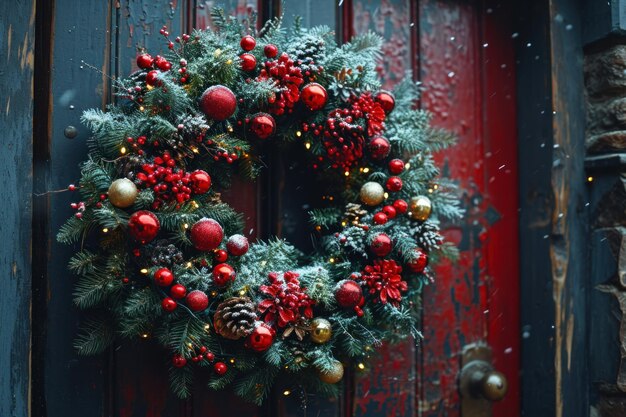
(17, 30)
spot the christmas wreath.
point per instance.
(162, 256)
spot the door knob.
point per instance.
(480, 384)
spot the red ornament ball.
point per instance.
(348, 293)
(314, 96)
(178, 291)
(152, 78)
(262, 125)
(163, 277)
(386, 100)
(380, 218)
(200, 181)
(419, 262)
(379, 148)
(247, 43)
(143, 226)
(396, 166)
(401, 206)
(179, 361)
(220, 255)
(237, 245)
(218, 102)
(381, 245)
(169, 304)
(261, 338)
(220, 368)
(162, 63)
(197, 300)
(248, 62)
(223, 274)
(390, 211)
(144, 61)
(394, 184)
(270, 50)
(206, 234)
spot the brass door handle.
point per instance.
(481, 381)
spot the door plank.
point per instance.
(17, 30)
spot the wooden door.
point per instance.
(461, 51)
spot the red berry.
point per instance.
(71, 187)
(380, 218)
(162, 63)
(197, 300)
(401, 206)
(394, 184)
(247, 43)
(390, 211)
(248, 62)
(152, 78)
(144, 61)
(223, 274)
(396, 166)
(169, 304)
(163, 277)
(178, 291)
(179, 361)
(220, 368)
(270, 51)
(220, 255)
(210, 356)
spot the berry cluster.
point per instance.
(288, 302)
(384, 277)
(288, 78)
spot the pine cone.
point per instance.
(309, 52)
(428, 236)
(235, 318)
(354, 212)
(164, 253)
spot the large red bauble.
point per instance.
(379, 148)
(223, 274)
(200, 181)
(401, 206)
(386, 100)
(162, 63)
(248, 62)
(206, 234)
(197, 300)
(270, 50)
(220, 368)
(261, 338)
(394, 184)
(163, 277)
(247, 43)
(144, 61)
(314, 96)
(419, 263)
(178, 291)
(381, 245)
(143, 226)
(390, 211)
(396, 166)
(169, 304)
(262, 125)
(152, 78)
(348, 293)
(179, 361)
(218, 102)
(237, 245)
(380, 218)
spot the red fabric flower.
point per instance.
(384, 278)
(288, 303)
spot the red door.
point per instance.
(462, 52)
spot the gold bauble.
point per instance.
(372, 193)
(420, 207)
(332, 376)
(123, 193)
(321, 330)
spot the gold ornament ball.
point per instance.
(372, 193)
(122, 193)
(321, 330)
(420, 207)
(332, 376)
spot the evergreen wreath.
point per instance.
(162, 256)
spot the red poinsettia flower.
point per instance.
(384, 278)
(288, 302)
